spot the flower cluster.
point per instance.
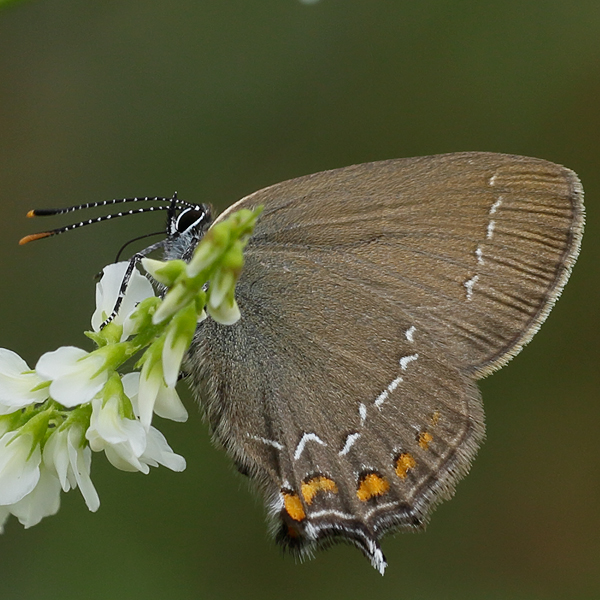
(75, 402)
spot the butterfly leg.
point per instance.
(133, 261)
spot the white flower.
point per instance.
(107, 292)
(226, 313)
(167, 405)
(67, 457)
(123, 440)
(220, 286)
(158, 452)
(16, 383)
(76, 376)
(42, 501)
(175, 347)
(151, 382)
(128, 445)
(19, 466)
(155, 396)
(180, 333)
(222, 306)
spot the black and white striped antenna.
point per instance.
(173, 204)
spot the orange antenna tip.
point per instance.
(30, 214)
(33, 236)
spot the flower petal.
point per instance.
(131, 384)
(80, 459)
(56, 457)
(108, 428)
(173, 351)
(17, 383)
(76, 376)
(122, 439)
(220, 287)
(225, 314)
(43, 501)
(158, 451)
(16, 392)
(169, 406)
(122, 457)
(151, 381)
(11, 363)
(59, 362)
(19, 467)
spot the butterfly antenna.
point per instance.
(173, 202)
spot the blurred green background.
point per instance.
(218, 99)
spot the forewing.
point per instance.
(475, 247)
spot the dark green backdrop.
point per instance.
(216, 99)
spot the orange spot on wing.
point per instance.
(372, 485)
(404, 463)
(293, 506)
(317, 484)
(435, 418)
(425, 438)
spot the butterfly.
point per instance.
(373, 297)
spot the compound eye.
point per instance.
(188, 218)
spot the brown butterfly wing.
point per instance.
(371, 298)
(479, 245)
